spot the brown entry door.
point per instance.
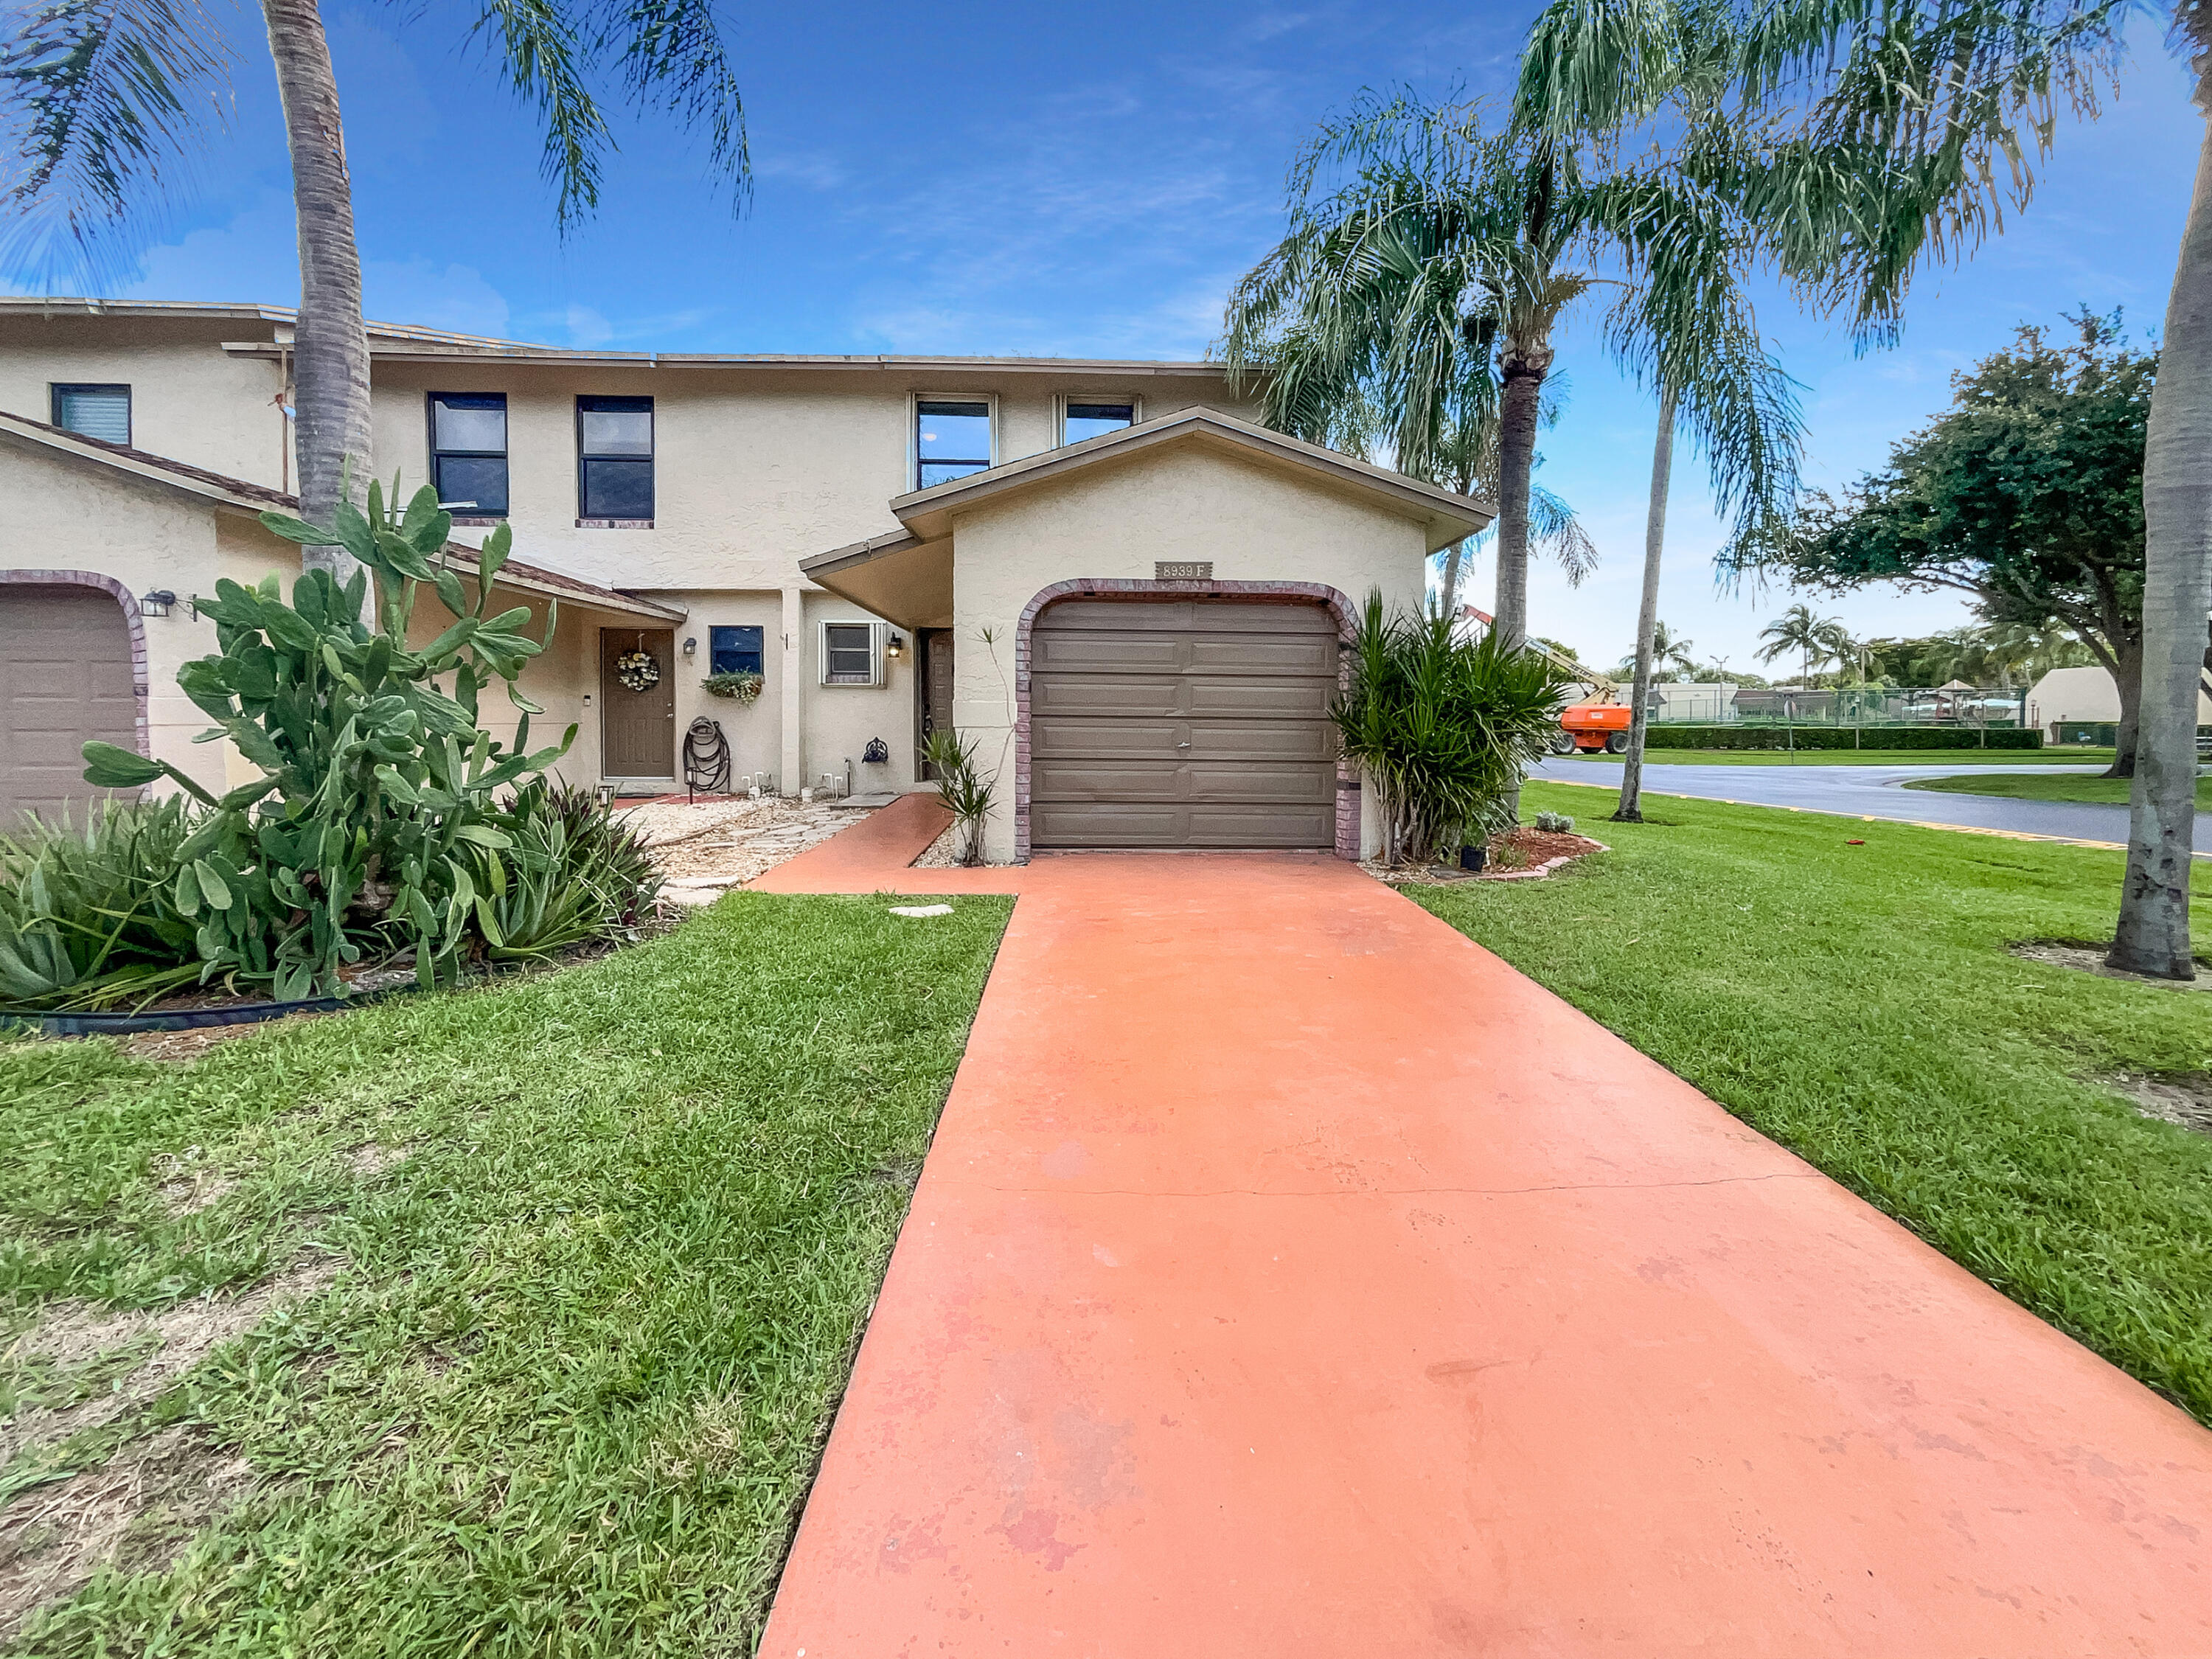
(1187, 723)
(936, 711)
(638, 728)
(64, 679)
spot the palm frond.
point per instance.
(102, 103)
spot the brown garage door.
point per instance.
(64, 679)
(1190, 723)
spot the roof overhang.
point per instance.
(902, 578)
(1445, 516)
(237, 497)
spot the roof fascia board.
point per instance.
(925, 512)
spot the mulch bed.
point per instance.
(1522, 855)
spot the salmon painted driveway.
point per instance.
(1290, 1277)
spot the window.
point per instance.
(468, 452)
(734, 650)
(1081, 421)
(614, 460)
(951, 441)
(94, 412)
(852, 653)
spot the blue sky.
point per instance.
(1086, 180)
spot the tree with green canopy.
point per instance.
(2026, 494)
(102, 103)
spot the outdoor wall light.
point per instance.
(896, 644)
(691, 647)
(157, 603)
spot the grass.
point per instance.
(1857, 1004)
(567, 1390)
(2060, 787)
(2048, 756)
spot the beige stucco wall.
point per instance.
(1185, 501)
(70, 514)
(189, 400)
(754, 469)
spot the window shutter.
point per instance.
(879, 635)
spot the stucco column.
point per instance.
(791, 771)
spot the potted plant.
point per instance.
(741, 686)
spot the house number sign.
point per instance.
(1170, 570)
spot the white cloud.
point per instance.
(255, 257)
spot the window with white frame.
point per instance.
(952, 438)
(1081, 418)
(852, 653)
(94, 412)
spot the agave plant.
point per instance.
(379, 790)
(1445, 725)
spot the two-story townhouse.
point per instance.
(1127, 595)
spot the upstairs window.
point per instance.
(852, 653)
(1081, 421)
(951, 441)
(734, 650)
(468, 452)
(94, 412)
(614, 460)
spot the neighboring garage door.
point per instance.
(64, 679)
(1185, 723)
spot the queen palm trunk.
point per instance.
(1523, 371)
(331, 350)
(2153, 935)
(1518, 404)
(1630, 809)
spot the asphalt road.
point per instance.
(1876, 792)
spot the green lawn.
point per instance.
(2062, 786)
(1866, 758)
(599, 1275)
(1857, 1003)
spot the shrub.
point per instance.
(1658, 736)
(88, 918)
(965, 794)
(1444, 727)
(378, 801)
(1557, 824)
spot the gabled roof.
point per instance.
(1446, 515)
(237, 495)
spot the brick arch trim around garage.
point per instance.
(134, 623)
(1338, 604)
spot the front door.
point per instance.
(637, 726)
(935, 685)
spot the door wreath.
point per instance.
(638, 671)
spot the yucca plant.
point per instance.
(89, 917)
(965, 792)
(1445, 725)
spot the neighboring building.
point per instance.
(894, 544)
(2083, 705)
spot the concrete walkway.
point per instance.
(1290, 1277)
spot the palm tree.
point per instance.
(1897, 132)
(1427, 285)
(1798, 629)
(109, 97)
(1667, 651)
